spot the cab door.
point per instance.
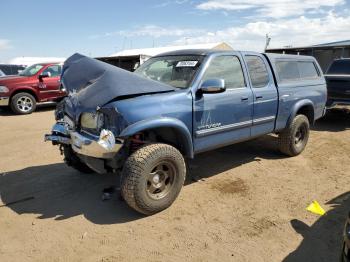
(265, 94)
(49, 83)
(223, 118)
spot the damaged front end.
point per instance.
(87, 130)
(90, 140)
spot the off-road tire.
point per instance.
(287, 140)
(16, 99)
(71, 159)
(139, 167)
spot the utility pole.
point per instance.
(268, 39)
(124, 42)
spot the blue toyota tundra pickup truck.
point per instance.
(176, 105)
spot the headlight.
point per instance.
(3, 89)
(91, 120)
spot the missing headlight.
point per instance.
(92, 120)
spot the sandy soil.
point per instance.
(250, 206)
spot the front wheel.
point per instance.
(72, 160)
(23, 103)
(292, 141)
(152, 178)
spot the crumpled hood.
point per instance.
(92, 83)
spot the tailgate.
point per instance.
(338, 87)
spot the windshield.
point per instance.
(32, 70)
(340, 67)
(177, 71)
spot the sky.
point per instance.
(99, 28)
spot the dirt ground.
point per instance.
(250, 206)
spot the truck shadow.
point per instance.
(218, 161)
(322, 240)
(336, 120)
(59, 192)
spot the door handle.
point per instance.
(258, 97)
(244, 98)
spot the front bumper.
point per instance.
(4, 101)
(337, 102)
(86, 146)
(82, 144)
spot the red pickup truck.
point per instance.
(38, 83)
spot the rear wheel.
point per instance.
(292, 141)
(152, 178)
(23, 103)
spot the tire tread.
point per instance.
(286, 137)
(133, 170)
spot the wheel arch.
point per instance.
(25, 90)
(303, 107)
(170, 129)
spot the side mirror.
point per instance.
(213, 86)
(41, 76)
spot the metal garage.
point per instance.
(324, 53)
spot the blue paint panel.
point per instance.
(210, 121)
(234, 107)
(223, 109)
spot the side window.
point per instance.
(13, 70)
(257, 71)
(228, 68)
(17, 69)
(6, 69)
(308, 70)
(54, 70)
(287, 70)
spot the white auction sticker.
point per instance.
(187, 63)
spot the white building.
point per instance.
(158, 50)
(129, 59)
(28, 61)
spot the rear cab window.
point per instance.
(296, 70)
(307, 70)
